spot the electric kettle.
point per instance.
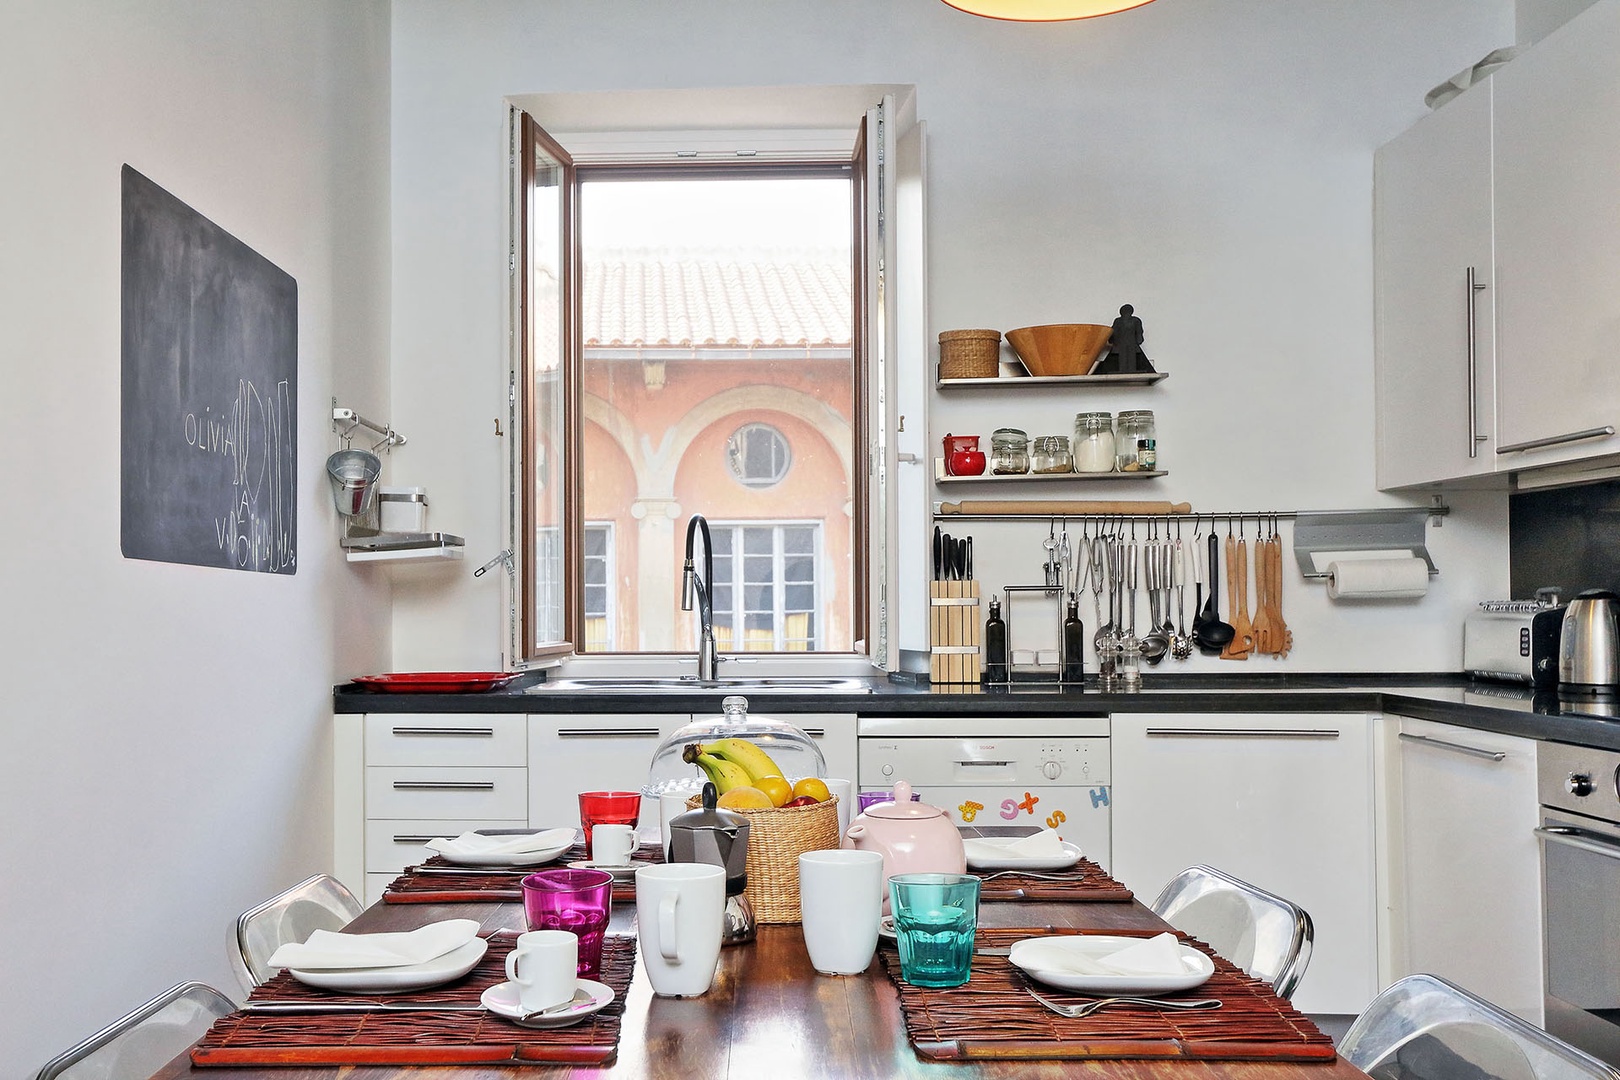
(1589, 645)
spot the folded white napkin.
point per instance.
(326, 949)
(1042, 845)
(472, 844)
(1154, 956)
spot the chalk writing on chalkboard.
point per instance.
(209, 392)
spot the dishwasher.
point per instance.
(1046, 771)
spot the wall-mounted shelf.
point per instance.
(1009, 382)
(399, 547)
(940, 477)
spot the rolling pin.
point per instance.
(1053, 508)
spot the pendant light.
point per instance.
(1043, 10)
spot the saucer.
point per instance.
(620, 871)
(502, 1000)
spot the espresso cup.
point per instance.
(611, 845)
(841, 901)
(542, 967)
(680, 910)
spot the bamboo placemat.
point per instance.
(1085, 880)
(443, 884)
(417, 1038)
(993, 1016)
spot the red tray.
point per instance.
(436, 682)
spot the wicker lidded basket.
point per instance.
(776, 839)
(969, 354)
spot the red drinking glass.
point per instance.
(608, 808)
(572, 900)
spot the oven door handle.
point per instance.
(1578, 838)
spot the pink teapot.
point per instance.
(913, 837)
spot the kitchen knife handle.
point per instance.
(1472, 308)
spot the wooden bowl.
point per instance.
(1059, 348)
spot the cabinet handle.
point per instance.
(1578, 838)
(444, 785)
(1472, 306)
(452, 732)
(607, 733)
(1558, 440)
(416, 841)
(983, 764)
(815, 732)
(1241, 733)
(1460, 748)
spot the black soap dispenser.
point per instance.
(1074, 644)
(995, 645)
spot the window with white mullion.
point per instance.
(599, 594)
(766, 587)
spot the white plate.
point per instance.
(1068, 858)
(1197, 967)
(441, 969)
(620, 871)
(526, 858)
(886, 927)
(502, 999)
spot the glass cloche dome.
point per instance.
(794, 752)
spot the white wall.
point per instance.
(166, 741)
(1209, 163)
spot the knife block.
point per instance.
(955, 632)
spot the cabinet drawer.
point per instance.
(393, 843)
(452, 794)
(440, 739)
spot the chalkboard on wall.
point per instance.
(210, 392)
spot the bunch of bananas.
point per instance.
(731, 763)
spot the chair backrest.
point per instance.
(1425, 1028)
(317, 903)
(1260, 932)
(142, 1042)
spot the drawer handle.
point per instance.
(983, 764)
(1242, 733)
(452, 732)
(414, 841)
(444, 785)
(1455, 747)
(607, 733)
(1558, 440)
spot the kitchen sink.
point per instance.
(786, 684)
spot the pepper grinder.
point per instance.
(719, 838)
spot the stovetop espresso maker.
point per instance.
(719, 838)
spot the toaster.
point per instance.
(1515, 641)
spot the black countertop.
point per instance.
(1452, 699)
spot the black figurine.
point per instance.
(1125, 356)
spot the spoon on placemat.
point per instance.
(1075, 1012)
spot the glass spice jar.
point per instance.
(1009, 452)
(1093, 442)
(1137, 447)
(1050, 454)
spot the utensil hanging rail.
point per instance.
(1073, 514)
(391, 438)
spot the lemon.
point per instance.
(745, 798)
(775, 788)
(812, 787)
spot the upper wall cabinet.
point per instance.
(1558, 244)
(1436, 344)
(1490, 365)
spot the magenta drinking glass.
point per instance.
(572, 900)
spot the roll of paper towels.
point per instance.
(1378, 579)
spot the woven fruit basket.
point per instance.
(776, 838)
(969, 354)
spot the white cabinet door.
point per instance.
(1283, 801)
(1435, 338)
(1470, 864)
(1557, 160)
(588, 752)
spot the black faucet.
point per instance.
(708, 658)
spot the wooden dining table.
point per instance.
(770, 1016)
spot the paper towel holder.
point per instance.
(1322, 536)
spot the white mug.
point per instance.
(679, 911)
(543, 967)
(611, 845)
(846, 795)
(840, 903)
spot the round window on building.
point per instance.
(758, 455)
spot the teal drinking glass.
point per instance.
(934, 919)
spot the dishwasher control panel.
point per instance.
(935, 761)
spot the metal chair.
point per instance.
(1265, 935)
(1425, 1028)
(316, 903)
(142, 1042)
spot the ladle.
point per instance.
(1209, 632)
